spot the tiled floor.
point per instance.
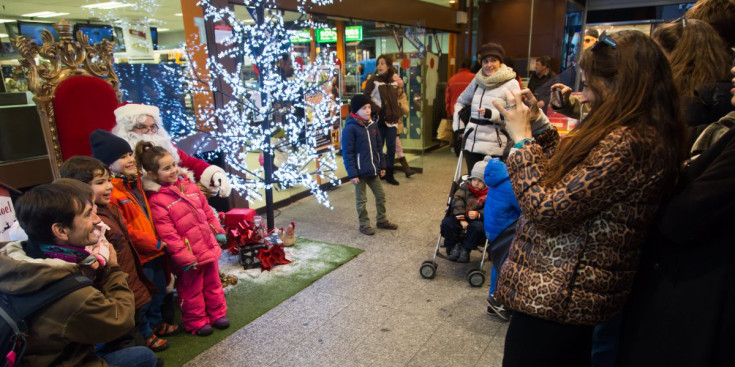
(376, 310)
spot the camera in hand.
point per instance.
(557, 100)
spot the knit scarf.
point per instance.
(362, 121)
(481, 195)
(67, 253)
(492, 81)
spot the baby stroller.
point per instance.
(475, 275)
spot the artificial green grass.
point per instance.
(256, 293)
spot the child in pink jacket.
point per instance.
(186, 223)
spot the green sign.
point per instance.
(326, 35)
(302, 36)
(353, 33)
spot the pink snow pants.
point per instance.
(201, 297)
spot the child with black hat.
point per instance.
(364, 162)
(128, 196)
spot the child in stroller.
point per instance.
(501, 213)
(467, 207)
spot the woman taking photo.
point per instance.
(383, 92)
(586, 208)
(490, 84)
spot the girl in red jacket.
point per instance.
(186, 223)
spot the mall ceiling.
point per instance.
(167, 16)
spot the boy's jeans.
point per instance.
(361, 199)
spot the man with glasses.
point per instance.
(139, 122)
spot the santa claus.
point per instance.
(136, 122)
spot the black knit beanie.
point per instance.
(108, 147)
(358, 101)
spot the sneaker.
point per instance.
(387, 225)
(496, 309)
(221, 323)
(454, 253)
(164, 329)
(205, 330)
(156, 344)
(464, 255)
(367, 230)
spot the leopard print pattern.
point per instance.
(577, 248)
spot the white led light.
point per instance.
(241, 132)
(163, 29)
(7, 20)
(107, 6)
(44, 14)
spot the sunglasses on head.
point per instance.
(604, 39)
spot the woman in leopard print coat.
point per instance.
(588, 202)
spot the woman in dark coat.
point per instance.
(682, 310)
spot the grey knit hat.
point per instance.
(478, 170)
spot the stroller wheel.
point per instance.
(428, 269)
(476, 277)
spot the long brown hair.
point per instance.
(696, 53)
(633, 88)
(720, 14)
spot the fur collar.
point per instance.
(150, 185)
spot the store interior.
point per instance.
(150, 50)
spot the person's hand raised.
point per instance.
(565, 93)
(518, 115)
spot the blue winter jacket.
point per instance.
(360, 149)
(501, 206)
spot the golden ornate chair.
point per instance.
(76, 89)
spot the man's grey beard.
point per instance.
(161, 138)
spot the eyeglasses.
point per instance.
(604, 39)
(142, 129)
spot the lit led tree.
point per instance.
(296, 109)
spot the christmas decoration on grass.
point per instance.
(283, 109)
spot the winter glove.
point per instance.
(220, 180)
(221, 238)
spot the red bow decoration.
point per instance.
(272, 256)
(244, 234)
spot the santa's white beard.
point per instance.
(161, 138)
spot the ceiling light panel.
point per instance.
(107, 6)
(44, 14)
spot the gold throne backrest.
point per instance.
(75, 86)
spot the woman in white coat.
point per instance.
(491, 82)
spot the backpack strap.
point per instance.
(18, 308)
(28, 304)
(25, 305)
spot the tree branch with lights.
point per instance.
(265, 115)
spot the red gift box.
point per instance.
(236, 216)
